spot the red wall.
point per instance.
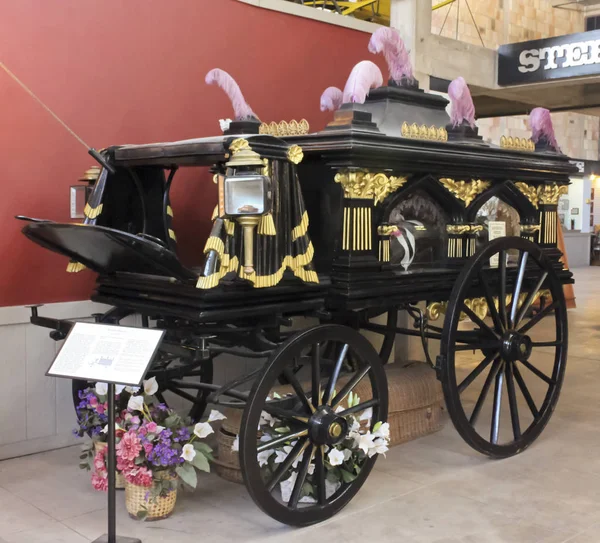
(132, 71)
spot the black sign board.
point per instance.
(561, 57)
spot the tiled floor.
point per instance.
(434, 490)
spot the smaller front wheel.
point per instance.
(299, 450)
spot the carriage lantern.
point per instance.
(245, 195)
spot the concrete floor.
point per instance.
(433, 490)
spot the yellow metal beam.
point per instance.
(442, 4)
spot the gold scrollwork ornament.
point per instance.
(365, 185)
(295, 154)
(465, 191)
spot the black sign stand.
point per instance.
(111, 536)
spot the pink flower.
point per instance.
(152, 427)
(124, 465)
(99, 464)
(135, 419)
(129, 447)
(94, 401)
(100, 482)
(101, 408)
(148, 448)
(139, 476)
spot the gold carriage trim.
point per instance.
(295, 154)
(530, 228)
(364, 185)
(517, 144)
(465, 191)
(170, 211)
(92, 212)
(215, 213)
(302, 228)
(172, 234)
(266, 226)
(284, 128)
(238, 144)
(229, 227)
(294, 263)
(542, 194)
(212, 280)
(75, 267)
(387, 229)
(460, 229)
(214, 243)
(479, 305)
(423, 132)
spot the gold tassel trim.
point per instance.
(212, 280)
(309, 276)
(92, 212)
(295, 263)
(215, 213)
(170, 211)
(172, 235)
(266, 226)
(75, 267)
(214, 243)
(229, 227)
(302, 228)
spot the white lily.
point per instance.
(331, 488)
(364, 442)
(132, 390)
(263, 457)
(335, 457)
(266, 418)
(235, 447)
(347, 454)
(379, 447)
(101, 389)
(215, 415)
(282, 454)
(150, 386)
(340, 408)
(136, 403)
(119, 388)
(367, 414)
(383, 431)
(355, 426)
(203, 429)
(159, 429)
(188, 452)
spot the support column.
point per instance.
(412, 18)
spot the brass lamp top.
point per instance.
(245, 157)
(91, 174)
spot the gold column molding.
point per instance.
(295, 154)
(284, 128)
(423, 132)
(530, 228)
(466, 191)
(365, 185)
(517, 144)
(460, 229)
(542, 194)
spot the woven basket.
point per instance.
(119, 478)
(158, 508)
(227, 465)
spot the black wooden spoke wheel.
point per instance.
(313, 410)
(502, 372)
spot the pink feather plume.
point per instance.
(331, 99)
(462, 109)
(388, 41)
(363, 77)
(242, 110)
(540, 123)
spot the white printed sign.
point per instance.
(107, 353)
(496, 229)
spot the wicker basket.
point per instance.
(158, 508)
(415, 409)
(227, 465)
(119, 478)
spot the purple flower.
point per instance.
(183, 434)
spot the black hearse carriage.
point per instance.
(318, 237)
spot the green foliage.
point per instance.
(187, 474)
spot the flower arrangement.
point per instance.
(343, 461)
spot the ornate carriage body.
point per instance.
(375, 214)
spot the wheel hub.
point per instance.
(516, 346)
(326, 427)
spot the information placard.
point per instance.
(496, 229)
(106, 353)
